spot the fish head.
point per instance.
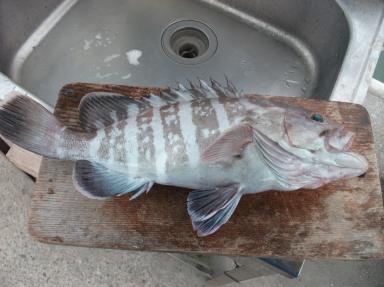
(323, 145)
(313, 131)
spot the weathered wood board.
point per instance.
(343, 220)
(27, 161)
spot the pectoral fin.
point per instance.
(228, 145)
(211, 208)
(96, 181)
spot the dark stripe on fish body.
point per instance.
(105, 147)
(120, 151)
(233, 108)
(205, 119)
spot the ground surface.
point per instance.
(24, 262)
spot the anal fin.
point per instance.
(211, 208)
(96, 181)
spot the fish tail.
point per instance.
(28, 124)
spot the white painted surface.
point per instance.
(376, 88)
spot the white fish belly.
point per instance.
(250, 172)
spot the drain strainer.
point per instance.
(189, 42)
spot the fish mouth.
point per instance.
(353, 164)
(339, 140)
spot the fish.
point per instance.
(210, 138)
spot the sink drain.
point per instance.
(189, 42)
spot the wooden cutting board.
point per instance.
(342, 220)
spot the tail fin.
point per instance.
(29, 125)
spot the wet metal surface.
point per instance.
(290, 48)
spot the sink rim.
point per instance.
(358, 63)
(357, 59)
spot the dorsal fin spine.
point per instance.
(101, 109)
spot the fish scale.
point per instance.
(120, 143)
(146, 148)
(174, 142)
(131, 146)
(188, 131)
(211, 139)
(204, 117)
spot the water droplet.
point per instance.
(289, 82)
(127, 76)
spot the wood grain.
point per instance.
(24, 160)
(342, 220)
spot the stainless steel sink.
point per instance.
(304, 48)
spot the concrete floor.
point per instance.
(24, 262)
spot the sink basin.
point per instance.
(301, 48)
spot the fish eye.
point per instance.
(317, 118)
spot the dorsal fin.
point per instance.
(100, 109)
(229, 91)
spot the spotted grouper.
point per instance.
(208, 137)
